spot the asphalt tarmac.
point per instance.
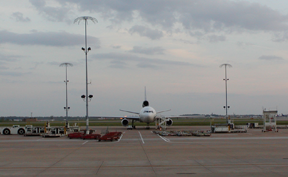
(142, 153)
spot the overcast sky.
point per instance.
(174, 48)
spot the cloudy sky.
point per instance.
(174, 48)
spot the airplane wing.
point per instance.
(129, 111)
(163, 111)
(131, 118)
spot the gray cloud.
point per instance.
(219, 15)
(46, 38)
(215, 38)
(11, 58)
(184, 41)
(147, 32)
(148, 51)
(38, 3)
(270, 57)
(36, 64)
(116, 47)
(141, 61)
(118, 64)
(3, 67)
(207, 16)
(14, 74)
(18, 16)
(52, 13)
(54, 63)
(280, 36)
(146, 65)
(244, 44)
(4, 59)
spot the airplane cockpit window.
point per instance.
(148, 111)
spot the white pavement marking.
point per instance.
(120, 137)
(84, 142)
(165, 139)
(141, 138)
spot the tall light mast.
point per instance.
(66, 82)
(94, 20)
(226, 79)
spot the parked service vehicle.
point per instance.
(33, 131)
(91, 136)
(110, 136)
(14, 130)
(75, 135)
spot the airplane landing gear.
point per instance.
(148, 127)
(133, 126)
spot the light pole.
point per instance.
(94, 20)
(66, 82)
(226, 107)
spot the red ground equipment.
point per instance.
(75, 135)
(110, 136)
(84, 136)
(91, 136)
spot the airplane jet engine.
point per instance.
(169, 122)
(145, 103)
(125, 122)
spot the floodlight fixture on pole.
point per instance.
(66, 82)
(226, 107)
(94, 20)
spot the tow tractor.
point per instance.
(14, 130)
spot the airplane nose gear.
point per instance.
(148, 127)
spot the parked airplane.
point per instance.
(146, 115)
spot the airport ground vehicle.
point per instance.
(111, 136)
(83, 135)
(30, 130)
(75, 135)
(91, 136)
(14, 130)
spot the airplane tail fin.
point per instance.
(145, 94)
(145, 102)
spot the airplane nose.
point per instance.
(149, 118)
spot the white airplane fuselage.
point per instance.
(147, 114)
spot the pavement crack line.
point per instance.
(231, 156)
(99, 167)
(147, 155)
(59, 160)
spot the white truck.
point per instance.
(14, 130)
